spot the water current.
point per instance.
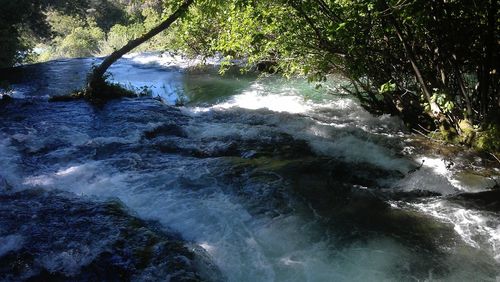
(230, 178)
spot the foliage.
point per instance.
(63, 24)
(82, 41)
(431, 62)
(387, 87)
(22, 22)
(488, 139)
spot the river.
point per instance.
(232, 178)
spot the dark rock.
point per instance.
(409, 195)
(165, 130)
(487, 200)
(70, 239)
(4, 185)
(5, 98)
(65, 98)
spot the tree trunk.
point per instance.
(96, 77)
(487, 65)
(435, 110)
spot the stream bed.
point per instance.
(232, 178)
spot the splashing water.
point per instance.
(260, 179)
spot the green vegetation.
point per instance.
(433, 63)
(430, 62)
(107, 91)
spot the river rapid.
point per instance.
(232, 178)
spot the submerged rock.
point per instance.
(165, 138)
(4, 185)
(61, 238)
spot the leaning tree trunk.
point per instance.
(96, 76)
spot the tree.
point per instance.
(96, 81)
(23, 20)
(27, 23)
(434, 63)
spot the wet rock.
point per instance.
(473, 182)
(349, 198)
(398, 195)
(68, 239)
(165, 130)
(281, 146)
(486, 200)
(4, 185)
(5, 98)
(339, 173)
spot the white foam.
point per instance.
(246, 247)
(257, 98)
(9, 161)
(172, 60)
(436, 165)
(355, 150)
(479, 229)
(336, 128)
(84, 179)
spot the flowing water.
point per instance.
(233, 178)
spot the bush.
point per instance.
(488, 139)
(118, 36)
(81, 42)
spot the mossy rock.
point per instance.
(448, 133)
(488, 140)
(101, 92)
(468, 132)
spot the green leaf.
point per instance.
(387, 87)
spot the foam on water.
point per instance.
(479, 229)
(331, 125)
(9, 161)
(171, 60)
(209, 218)
(258, 98)
(191, 195)
(244, 248)
(433, 175)
(237, 242)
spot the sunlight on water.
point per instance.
(257, 98)
(236, 174)
(480, 230)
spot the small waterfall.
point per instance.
(234, 178)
